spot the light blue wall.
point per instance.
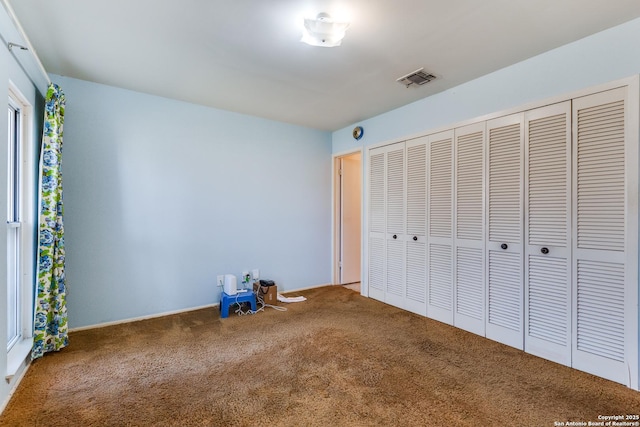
(11, 71)
(161, 196)
(600, 58)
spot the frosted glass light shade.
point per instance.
(323, 31)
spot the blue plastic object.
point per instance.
(227, 300)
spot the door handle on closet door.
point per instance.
(504, 246)
(544, 250)
(415, 238)
(395, 236)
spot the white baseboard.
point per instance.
(305, 288)
(169, 313)
(17, 379)
(136, 319)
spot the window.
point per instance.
(13, 226)
(21, 196)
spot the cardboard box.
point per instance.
(268, 293)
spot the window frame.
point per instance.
(21, 251)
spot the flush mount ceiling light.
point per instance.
(323, 31)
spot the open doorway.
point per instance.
(348, 220)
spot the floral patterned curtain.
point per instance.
(50, 325)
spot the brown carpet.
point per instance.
(337, 359)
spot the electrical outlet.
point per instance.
(245, 277)
(221, 280)
(255, 274)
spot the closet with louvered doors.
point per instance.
(440, 227)
(531, 229)
(605, 235)
(504, 294)
(547, 251)
(468, 255)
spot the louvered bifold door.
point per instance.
(605, 169)
(440, 227)
(547, 264)
(395, 234)
(376, 248)
(504, 267)
(416, 247)
(376, 262)
(469, 289)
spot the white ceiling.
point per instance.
(245, 55)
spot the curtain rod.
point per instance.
(28, 44)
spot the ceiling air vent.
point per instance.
(418, 77)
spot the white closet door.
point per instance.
(440, 221)
(605, 179)
(469, 296)
(376, 266)
(416, 248)
(548, 232)
(395, 233)
(504, 320)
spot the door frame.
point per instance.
(336, 219)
